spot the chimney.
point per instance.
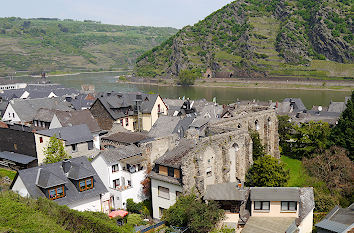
(66, 165)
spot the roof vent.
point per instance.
(66, 165)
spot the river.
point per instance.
(107, 82)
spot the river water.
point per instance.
(107, 82)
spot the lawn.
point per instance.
(298, 174)
(6, 172)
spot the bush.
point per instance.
(190, 211)
(187, 77)
(267, 171)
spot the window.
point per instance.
(86, 184)
(158, 108)
(161, 210)
(116, 183)
(126, 121)
(121, 122)
(129, 183)
(35, 123)
(13, 115)
(288, 206)
(208, 172)
(90, 145)
(171, 172)
(74, 147)
(261, 205)
(56, 192)
(164, 192)
(40, 139)
(115, 168)
(15, 146)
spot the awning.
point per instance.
(118, 213)
(17, 158)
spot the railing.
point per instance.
(153, 227)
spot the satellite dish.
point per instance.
(320, 108)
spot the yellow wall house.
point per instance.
(134, 111)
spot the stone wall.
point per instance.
(265, 122)
(103, 118)
(220, 158)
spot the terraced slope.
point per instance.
(34, 45)
(261, 38)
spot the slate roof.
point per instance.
(113, 101)
(267, 224)
(173, 158)
(46, 179)
(199, 122)
(164, 126)
(115, 155)
(336, 107)
(27, 109)
(81, 102)
(70, 118)
(71, 135)
(274, 194)
(126, 137)
(44, 114)
(225, 192)
(29, 178)
(16, 157)
(297, 104)
(78, 172)
(338, 219)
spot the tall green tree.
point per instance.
(343, 133)
(267, 171)
(190, 211)
(257, 147)
(55, 151)
(309, 138)
(285, 127)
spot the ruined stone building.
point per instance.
(220, 152)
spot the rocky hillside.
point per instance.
(34, 45)
(261, 38)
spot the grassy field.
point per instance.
(5, 172)
(298, 174)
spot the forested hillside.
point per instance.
(261, 38)
(65, 45)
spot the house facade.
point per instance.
(77, 140)
(122, 171)
(71, 182)
(264, 209)
(134, 111)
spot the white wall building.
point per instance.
(122, 170)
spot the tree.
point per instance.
(285, 128)
(309, 138)
(190, 211)
(187, 77)
(335, 169)
(267, 171)
(257, 147)
(55, 151)
(343, 133)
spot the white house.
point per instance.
(71, 182)
(122, 170)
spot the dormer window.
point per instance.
(86, 184)
(55, 193)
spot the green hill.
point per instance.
(261, 38)
(19, 214)
(65, 45)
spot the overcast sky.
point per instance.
(171, 13)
